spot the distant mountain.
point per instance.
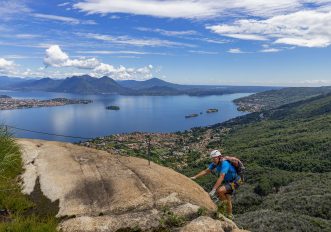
(44, 84)
(148, 84)
(157, 86)
(6, 82)
(77, 84)
(90, 85)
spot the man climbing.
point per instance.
(224, 166)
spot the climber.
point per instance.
(227, 173)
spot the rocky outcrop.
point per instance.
(98, 191)
(207, 224)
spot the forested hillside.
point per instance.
(276, 98)
(287, 152)
(288, 155)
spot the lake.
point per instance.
(137, 113)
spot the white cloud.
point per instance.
(167, 32)
(68, 20)
(235, 51)
(215, 41)
(191, 8)
(303, 28)
(247, 37)
(309, 42)
(270, 50)
(6, 66)
(107, 52)
(16, 57)
(63, 4)
(27, 36)
(13, 9)
(203, 52)
(114, 17)
(126, 40)
(123, 73)
(55, 57)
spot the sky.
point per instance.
(221, 42)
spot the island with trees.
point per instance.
(112, 108)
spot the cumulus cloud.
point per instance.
(55, 57)
(6, 66)
(191, 8)
(303, 28)
(123, 73)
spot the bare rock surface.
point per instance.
(99, 191)
(207, 224)
(203, 224)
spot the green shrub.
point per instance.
(170, 219)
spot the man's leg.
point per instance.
(226, 199)
(221, 192)
(229, 204)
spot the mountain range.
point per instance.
(86, 84)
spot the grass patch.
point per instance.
(20, 214)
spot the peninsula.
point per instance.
(8, 103)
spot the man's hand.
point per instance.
(193, 178)
(212, 192)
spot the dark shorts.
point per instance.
(231, 186)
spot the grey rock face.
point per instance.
(98, 191)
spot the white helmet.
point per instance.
(215, 153)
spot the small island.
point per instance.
(112, 108)
(191, 116)
(8, 103)
(211, 111)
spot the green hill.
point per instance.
(276, 98)
(289, 167)
(287, 154)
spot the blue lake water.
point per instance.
(137, 113)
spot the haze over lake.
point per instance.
(137, 113)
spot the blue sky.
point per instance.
(233, 42)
